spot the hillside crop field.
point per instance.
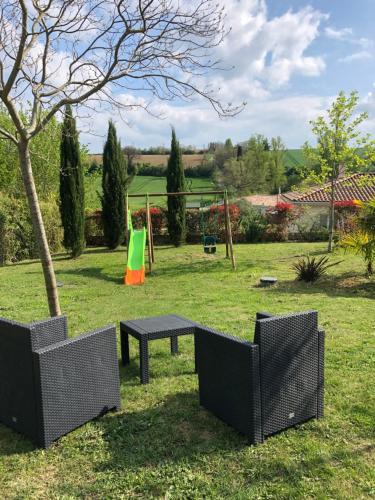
(157, 160)
(144, 184)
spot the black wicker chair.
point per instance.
(49, 384)
(263, 387)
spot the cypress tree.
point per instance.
(72, 191)
(176, 204)
(113, 184)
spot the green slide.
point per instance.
(135, 271)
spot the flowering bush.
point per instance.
(346, 215)
(212, 221)
(346, 205)
(158, 219)
(279, 217)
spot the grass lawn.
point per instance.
(144, 184)
(162, 444)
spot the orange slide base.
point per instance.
(134, 277)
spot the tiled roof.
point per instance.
(354, 187)
(263, 200)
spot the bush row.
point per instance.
(204, 170)
(17, 241)
(247, 224)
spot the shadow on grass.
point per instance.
(203, 266)
(346, 285)
(90, 272)
(220, 264)
(174, 430)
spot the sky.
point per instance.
(289, 60)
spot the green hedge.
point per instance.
(17, 240)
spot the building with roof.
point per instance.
(316, 201)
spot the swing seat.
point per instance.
(209, 244)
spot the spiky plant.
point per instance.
(361, 243)
(310, 269)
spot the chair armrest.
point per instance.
(229, 384)
(48, 331)
(76, 380)
(321, 341)
(264, 315)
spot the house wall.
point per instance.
(314, 217)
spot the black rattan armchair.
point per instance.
(263, 387)
(49, 384)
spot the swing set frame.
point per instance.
(150, 240)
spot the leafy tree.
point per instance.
(276, 176)
(228, 144)
(176, 204)
(223, 153)
(247, 173)
(113, 184)
(70, 55)
(340, 144)
(44, 153)
(72, 191)
(362, 240)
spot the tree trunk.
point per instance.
(331, 216)
(38, 226)
(370, 270)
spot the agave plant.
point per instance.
(310, 269)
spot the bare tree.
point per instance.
(59, 52)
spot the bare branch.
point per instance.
(79, 51)
(4, 134)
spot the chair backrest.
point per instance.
(289, 361)
(17, 396)
(18, 405)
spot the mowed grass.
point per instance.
(162, 444)
(145, 184)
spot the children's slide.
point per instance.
(135, 270)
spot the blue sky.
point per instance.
(291, 59)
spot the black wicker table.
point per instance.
(158, 327)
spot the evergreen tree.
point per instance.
(72, 194)
(113, 184)
(176, 204)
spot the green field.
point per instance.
(294, 158)
(162, 444)
(144, 184)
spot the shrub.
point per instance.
(311, 231)
(310, 269)
(151, 170)
(279, 217)
(17, 240)
(362, 244)
(276, 232)
(94, 233)
(366, 219)
(346, 215)
(252, 222)
(158, 219)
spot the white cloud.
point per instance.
(198, 124)
(270, 51)
(338, 34)
(356, 56)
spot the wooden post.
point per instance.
(152, 241)
(148, 234)
(226, 212)
(126, 225)
(229, 232)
